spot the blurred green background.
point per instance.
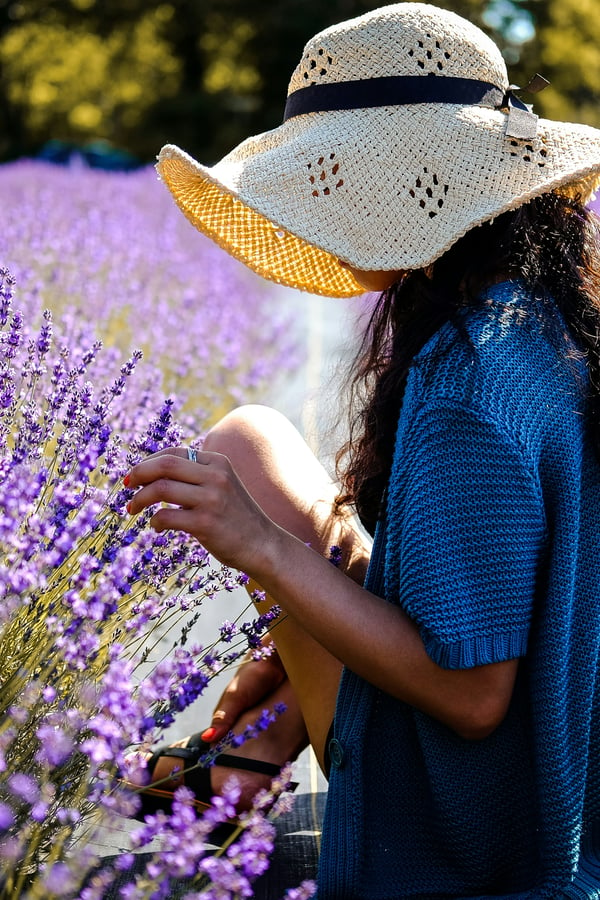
(204, 74)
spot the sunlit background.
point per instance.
(115, 79)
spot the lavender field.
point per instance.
(113, 258)
(122, 331)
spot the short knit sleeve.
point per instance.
(466, 534)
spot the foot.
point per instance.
(279, 744)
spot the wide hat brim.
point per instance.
(386, 188)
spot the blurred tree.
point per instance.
(559, 39)
(74, 78)
(567, 44)
(206, 73)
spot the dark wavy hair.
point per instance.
(552, 243)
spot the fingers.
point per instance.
(165, 490)
(222, 723)
(171, 463)
(204, 498)
(255, 680)
(232, 703)
(170, 477)
(172, 519)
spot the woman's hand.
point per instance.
(207, 500)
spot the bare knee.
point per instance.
(245, 427)
(258, 440)
(277, 467)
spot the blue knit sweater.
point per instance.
(491, 544)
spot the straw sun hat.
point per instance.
(400, 134)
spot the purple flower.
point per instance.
(60, 880)
(39, 811)
(335, 555)
(24, 787)
(224, 873)
(228, 630)
(7, 817)
(304, 891)
(14, 337)
(257, 627)
(83, 584)
(45, 336)
(266, 718)
(99, 884)
(55, 745)
(6, 293)
(68, 816)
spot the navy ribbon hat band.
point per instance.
(393, 90)
(397, 90)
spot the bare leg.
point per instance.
(280, 471)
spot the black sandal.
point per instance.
(192, 775)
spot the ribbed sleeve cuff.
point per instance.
(476, 651)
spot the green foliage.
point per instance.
(85, 79)
(207, 73)
(568, 48)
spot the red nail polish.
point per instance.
(208, 735)
(126, 480)
(128, 507)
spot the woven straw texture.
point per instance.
(388, 188)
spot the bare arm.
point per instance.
(380, 643)
(373, 638)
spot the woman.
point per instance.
(463, 755)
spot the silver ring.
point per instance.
(192, 454)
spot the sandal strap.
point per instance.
(176, 752)
(234, 762)
(199, 778)
(249, 765)
(191, 753)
